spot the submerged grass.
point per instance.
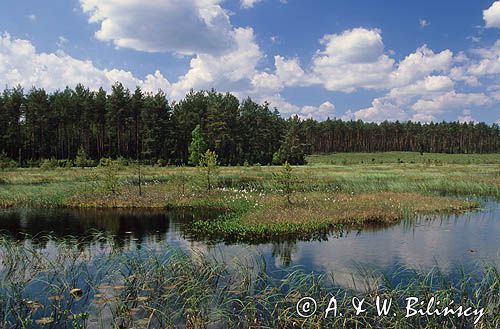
(69, 284)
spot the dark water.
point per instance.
(447, 242)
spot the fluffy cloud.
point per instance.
(466, 117)
(450, 100)
(267, 82)
(249, 3)
(491, 15)
(208, 71)
(421, 101)
(419, 64)
(321, 112)
(416, 94)
(181, 26)
(428, 86)
(489, 63)
(325, 110)
(223, 56)
(288, 72)
(21, 64)
(381, 109)
(351, 60)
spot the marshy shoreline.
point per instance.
(330, 192)
(164, 286)
(71, 285)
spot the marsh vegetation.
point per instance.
(73, 285)
(270, 201)
(100, 281)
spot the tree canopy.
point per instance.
(37, 125)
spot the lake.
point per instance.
(447, 242)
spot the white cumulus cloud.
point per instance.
(381, 109)
(208, 71)
(21, 64)
(489, 62)
(181, 26)
(466, 117)
(419, 64)
(321, 112)
(351, 60)
(450, 101)
(246, 4)
(491, 15)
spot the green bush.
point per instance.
(33, 163)
(81, 158)
(65, 163)
(161, 163)
(6, 162)
(276, 159)
(122, 162)
(103, 162)
(49, 164)
(110, 179)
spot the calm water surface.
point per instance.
(448, 242)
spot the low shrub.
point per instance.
(49, 164)
(6, 162)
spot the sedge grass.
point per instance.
(382, 191)
(168, 288)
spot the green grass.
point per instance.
(79, 286)
(402, 157)
(313, 214)
(326, 195)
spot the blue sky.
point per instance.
(370, 60)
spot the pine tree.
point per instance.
(293, 148)
(209, 166)
(197, 146)
(81, 157)
(284, 180)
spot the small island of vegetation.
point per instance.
(82, 148)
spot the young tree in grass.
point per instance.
(111, 181)
(197, 146)
(210, 167)
(81, 157)
(182, 179)
(137, 167)
(137, 105)
(284, 180)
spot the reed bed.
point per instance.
(81, 284)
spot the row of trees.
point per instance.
(444, 137)
(39, 125)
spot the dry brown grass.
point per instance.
(384, 207)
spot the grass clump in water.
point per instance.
(319, 197)
(313, 214)
(165, 287)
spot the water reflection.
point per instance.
(445, 241)
(124, 225)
